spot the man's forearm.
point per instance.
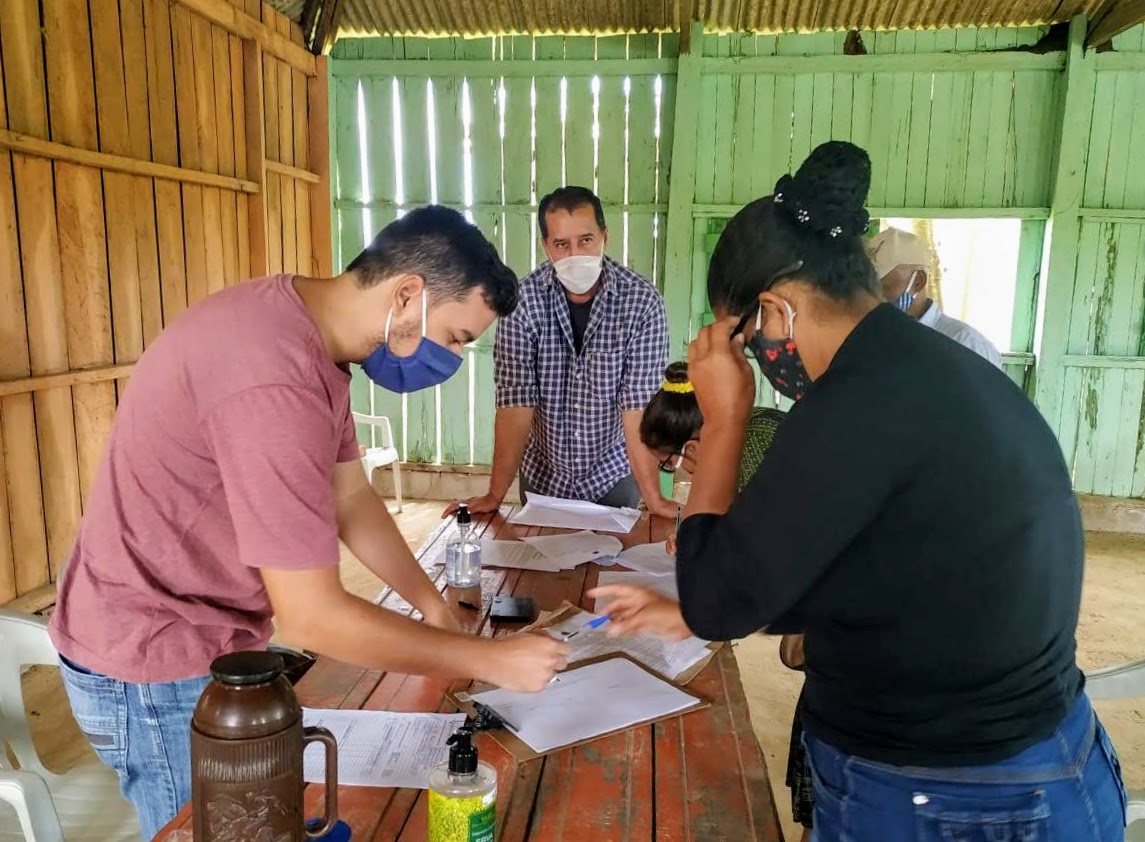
(358, 632)
(367, 528)
(510, 433)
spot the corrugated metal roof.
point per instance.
(491, 17)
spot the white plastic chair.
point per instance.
(385, 454)
(36, 804)
(1124, 681)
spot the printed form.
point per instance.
(378, 748)
(668, 659)
(585, 703)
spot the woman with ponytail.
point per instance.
(670, 427)
(937, 587)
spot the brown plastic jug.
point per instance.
(247, 741)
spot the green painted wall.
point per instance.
(959, 123)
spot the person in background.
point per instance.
(232, 471)
(900, 260)
(939, 599)
(574, 367)
(671, 429)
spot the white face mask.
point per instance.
(580, 272)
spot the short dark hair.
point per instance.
(569, 199)
(450, 253)
(671, 419)
(815, 218)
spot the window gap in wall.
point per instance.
(564, 128)
(595, 87)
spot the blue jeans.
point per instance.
(143, 732)
(1067, 788)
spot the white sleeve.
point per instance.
(981, 346)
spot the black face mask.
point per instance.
(778, 358)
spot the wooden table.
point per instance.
(698, 777)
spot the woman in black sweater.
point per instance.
(938, 586)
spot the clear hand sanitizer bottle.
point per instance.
(462, 795)
(463, 553)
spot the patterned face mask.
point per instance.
(779, 358)
(907, 298)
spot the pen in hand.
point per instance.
(595, 624)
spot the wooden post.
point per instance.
(1112, 19)
(321, 228)
(682, 189)
(1065, 223)
(255, 156)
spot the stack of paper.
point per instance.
(515, 555)
(662, 583)
(585, 703)
(574, 514)
(567, 551)
(669, 659)
(550, 553)
(378, 748)
(649, 558)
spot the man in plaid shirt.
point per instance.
(574, 366)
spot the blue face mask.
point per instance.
(429, 365)
(907, 298)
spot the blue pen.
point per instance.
(595, 624)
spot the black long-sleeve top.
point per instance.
(915, 519)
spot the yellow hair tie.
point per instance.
(684, 388)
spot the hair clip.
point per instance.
(802, 215)
(778, 198)
(836, 231)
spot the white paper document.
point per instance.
(669, 659)
(585, 703)
(649, 558)
(516, 555)
(378, 748)
(569, 550)
(662, 583)
(574, 514)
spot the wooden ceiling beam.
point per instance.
(1112, 19)
(320, 24)
(310, 11)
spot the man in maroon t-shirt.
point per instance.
(232, 471)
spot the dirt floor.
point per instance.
(1112, 630)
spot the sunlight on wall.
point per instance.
(978, 266)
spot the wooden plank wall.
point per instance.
(129, 169)
(959, 123)
(414, 116)
(1100, 402)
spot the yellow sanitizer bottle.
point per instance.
(462, 795)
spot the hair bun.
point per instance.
(676, 372)
(828, 192)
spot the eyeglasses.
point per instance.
(753, 307)
(673, 462)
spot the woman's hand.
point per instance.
(720, 374)
(633, 610)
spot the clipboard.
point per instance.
(566, 609)
(521, 751)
